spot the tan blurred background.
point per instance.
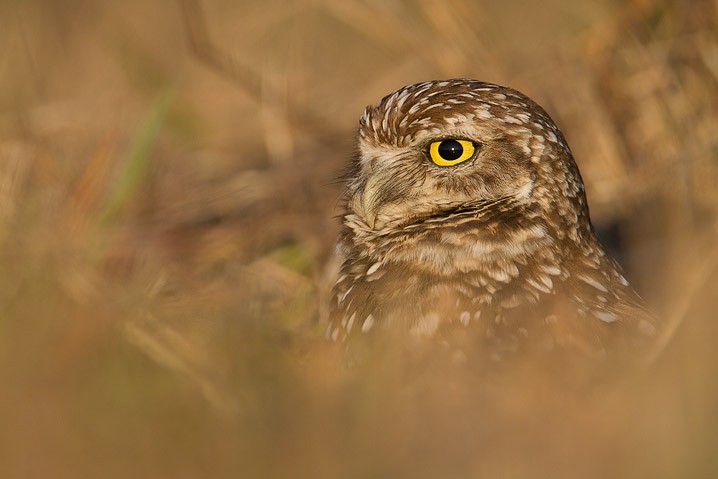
(168, 203)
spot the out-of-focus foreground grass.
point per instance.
(167, 203)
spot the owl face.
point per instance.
(437, 147)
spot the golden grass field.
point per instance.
(168, 204)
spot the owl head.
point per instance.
(438, 147)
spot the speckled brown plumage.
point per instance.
(499, 246)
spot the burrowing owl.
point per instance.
(464, 209)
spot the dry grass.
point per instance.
(167, 197)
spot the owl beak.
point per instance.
(371, 198)
(369, 207)
(370, 219)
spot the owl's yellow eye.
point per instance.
(451, 152)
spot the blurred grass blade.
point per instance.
(137, 161)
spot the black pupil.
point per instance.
(450, 150)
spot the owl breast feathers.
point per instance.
(464, 211)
